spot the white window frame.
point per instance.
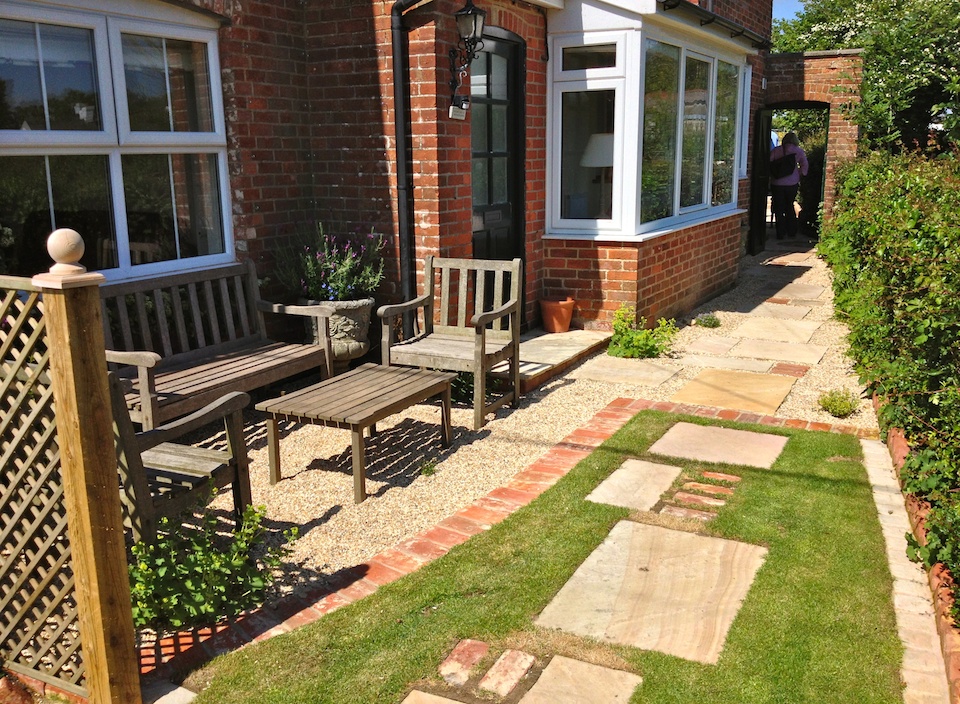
(116, 139)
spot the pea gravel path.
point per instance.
(413, 483)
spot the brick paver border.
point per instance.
(185, 651)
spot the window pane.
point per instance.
(586, 159)
(478, 75)
(21, 98)
(584, 57)
(478, 127)
(197, 186)
(498, 129)
(498, 77)
(725, 134)
(168, 85)
(149, 202)
(71, 78)
(480, 183)
(498, 177)
(661, 97)
(694, 167)
(81, 201)
(80, 187)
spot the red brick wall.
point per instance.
(755, 15)
(831, 78)
(662, 278)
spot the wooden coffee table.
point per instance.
(355, 400)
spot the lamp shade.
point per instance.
(470, 22)
(599, 151)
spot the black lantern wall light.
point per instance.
(470, 28)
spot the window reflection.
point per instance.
(725, 133)
(693, 164)
(661, 99)
(586, 160)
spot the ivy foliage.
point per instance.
(894, 247)
(911, 62)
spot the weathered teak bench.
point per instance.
(184, 340)
(477, 307)
(162, 479)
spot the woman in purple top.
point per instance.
(784, 189)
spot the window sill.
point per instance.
(646, 235)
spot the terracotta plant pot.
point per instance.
(556, 315)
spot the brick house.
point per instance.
(607, 142)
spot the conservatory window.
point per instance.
(586, 162)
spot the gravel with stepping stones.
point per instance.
(711, 444)
(777, 330)
(781, 311)
(780, 351)
(568, 681)
(741, 391)
(657, 589)
(636, 484)
(712, 344)
(617, 370)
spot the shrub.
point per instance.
(184, 579)
(632, 339)
(839, 403)
(707, 320)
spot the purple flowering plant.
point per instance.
(322, 266)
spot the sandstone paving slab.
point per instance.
(636, 484)
(617, 370)
(712, 344)
(738, 390)
(780, 351)
(777, 330)
(558, 347)
(797, 290)
(710, 444)
(744, 365)
(791, 259)
(568, 681)
(780, 310)
(658, 589)
(418, 697)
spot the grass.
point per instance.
(817, 625)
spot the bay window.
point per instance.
(113, 126)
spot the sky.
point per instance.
(786, 9)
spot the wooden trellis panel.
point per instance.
(38, 616)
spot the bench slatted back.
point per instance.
(183, 313)
(467, 287)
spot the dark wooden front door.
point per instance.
(497, 135)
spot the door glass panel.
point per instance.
(725, 134)
(694, 161)
(579, 58)
(498, 177)
(660, 105)
(586, 158)
(71, 78)
(478, 75)
(498, 77)
(478, 127)
(480, 184)
(499, 128)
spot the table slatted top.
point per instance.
(360, 396)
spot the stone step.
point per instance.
(711, 489)
(697, 500)
(721, 477)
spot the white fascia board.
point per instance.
(549, 4)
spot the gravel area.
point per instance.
(414, 483)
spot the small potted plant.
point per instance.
(342, 269)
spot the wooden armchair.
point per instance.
(160, 478)
(471, 322)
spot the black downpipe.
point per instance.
(402, 125)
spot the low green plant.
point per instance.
(632, 339)
(839, 403)
(429, 468)
(707, 320)
(185, 579)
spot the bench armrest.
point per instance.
(136, 358)
(144, 362)
(392, 311)
(481, 320)
(233, 402)
(320, 311)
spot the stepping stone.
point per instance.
(567, 681)
(708, 489)
(636, 484)
(683, 512)
(793, 258)
(713, 344)
(743, 391)
(720, 476)
(709, 444)
(744, 365)
(796, 291)
(780, 351)
(786, 369)
(697, 500)
(777, 330)
(456, 668)
(780, 310)
(507, 672)
(418, 697)
(657, 589)
(618, 370)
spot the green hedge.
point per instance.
(894, 247)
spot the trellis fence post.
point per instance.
(78, 369)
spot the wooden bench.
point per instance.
(159, 478)
(182, 341)
(471, 322)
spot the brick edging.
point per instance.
(939, 578)
(183, 652)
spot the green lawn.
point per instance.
(817, 625)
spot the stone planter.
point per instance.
(349, 330)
